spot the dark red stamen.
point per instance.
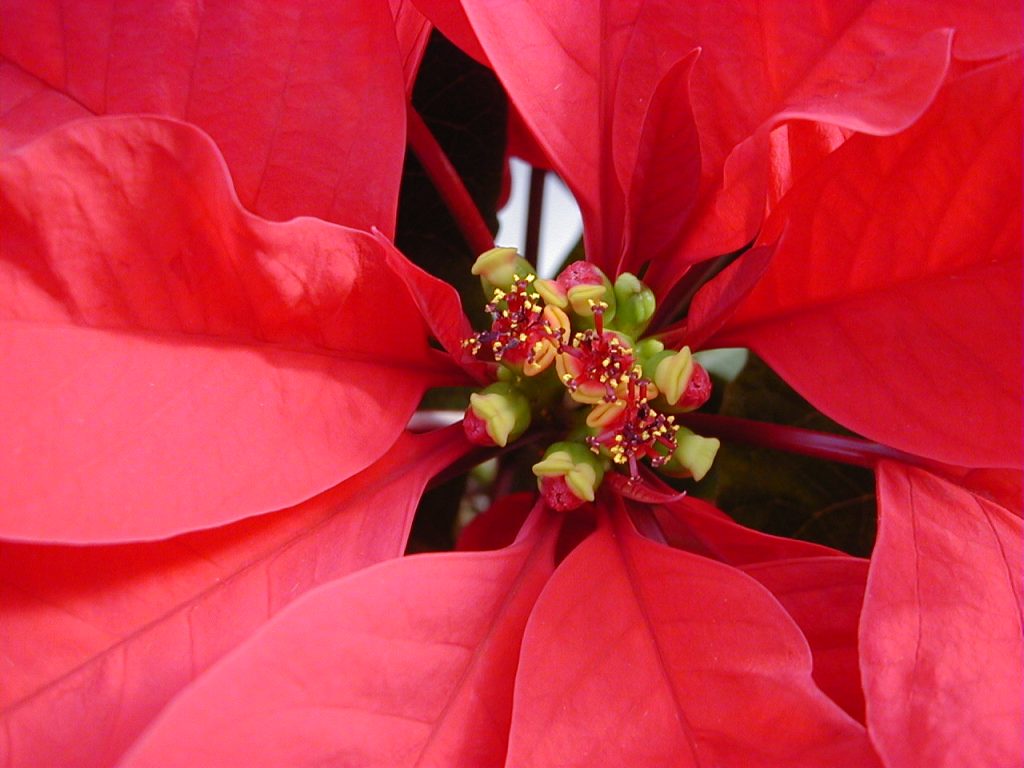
(640, 433)
(517, 325)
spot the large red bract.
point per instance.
(206, 357)
(283, 90)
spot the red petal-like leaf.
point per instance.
(546, 57)
(593, 136)
(893, 300)
(638, 654)
(98, 639)
(499, 525)
(696, 526)
(718, 298)
(450, 19)
(850, 66)
(29, 107)
(173, 363)
(441, 307)
(286, 89)
(413, 32)
(869, 66)
(649, 489)
(824, 596)
(941, 634)
(409, 663)
(661, 186)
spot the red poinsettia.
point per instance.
(180, 364)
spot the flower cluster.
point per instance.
(633, 386)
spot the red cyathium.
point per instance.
(606, 402)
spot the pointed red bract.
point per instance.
(172, 363)
(498, 525)
(125, 627)
(409, 663)
(413, 32)
(284, 89)
(588, 93)
(718, 299)
(441, 307)
(662, 174)
(893, 301)
(638, 654)
(697, 526)
(30, 108)
(824, 596)
(583, 82)
(941, 633)
(450, 19)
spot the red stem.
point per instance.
(446, 179)
(820, 445)
(533, 215)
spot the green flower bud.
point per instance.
(672, 374)
(635, 305)
(503, 411)
(693, 456)
(498, 268)
(569, 475)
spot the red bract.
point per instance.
(282, 89)
(99, 638)
(862, 65)
(408, 663)
(174, 364)
(903, 256)
(941, 631)
(212, 353)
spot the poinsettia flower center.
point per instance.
(569, 357)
